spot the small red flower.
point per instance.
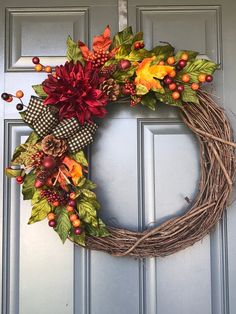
(75, 90)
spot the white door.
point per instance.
(144, 163)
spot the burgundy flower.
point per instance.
(75, 90)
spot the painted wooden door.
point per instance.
(144, 163)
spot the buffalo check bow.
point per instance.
(44, 121)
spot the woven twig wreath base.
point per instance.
(217, 154)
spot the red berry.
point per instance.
(168, 80)
(10, 98)
(209, 78)
(49, 162)
(141, 45)
(36, 60)
(180, 88)
(137, 45)
(19, 180)
(124, 64)
(77, 231)
(52, 223)
(182, 63)
(72, 203)
(38, 183)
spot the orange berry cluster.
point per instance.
(178, 88)
(99, 58)
(39, 67)
(73, 215)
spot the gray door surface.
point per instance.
(145, 164)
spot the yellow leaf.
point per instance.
(148, 76)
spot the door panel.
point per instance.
(145, 164)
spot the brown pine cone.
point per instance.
(111, 88)
(53, 146)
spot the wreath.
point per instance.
(51, 164)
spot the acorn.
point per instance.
(49, 162)
(124, 64)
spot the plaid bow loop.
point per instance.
(44, 122)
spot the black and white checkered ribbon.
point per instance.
(43, 120)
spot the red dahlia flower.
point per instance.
(75, 90)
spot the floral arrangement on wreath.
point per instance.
(51, 164)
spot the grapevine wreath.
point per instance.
(51, 164)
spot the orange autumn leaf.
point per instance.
(103, 41)
(148, 76)
(100, 43)
(75, 169)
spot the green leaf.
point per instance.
(73, 51)
(39, 211)
(141, 90)
(100, 231)
(88, 184)
(163, 52)
(81, 182)
(87, 212)
(80, 158)
(36, 197)
(149, 101)
(79, 239)
(39, 90)
(191, 55)
(33, 138)
(63, 226)
(123, 37)
(18, 150)
(123, 52)
(167, 99)
(189, 95)
(28, 188)
(88, 193)
(137, 37)
(22, 114)
(23, 152)
(138, 55)
(12, 173)
(120, 76)
(200, 66)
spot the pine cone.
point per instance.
(111, 88)
(53, 146)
